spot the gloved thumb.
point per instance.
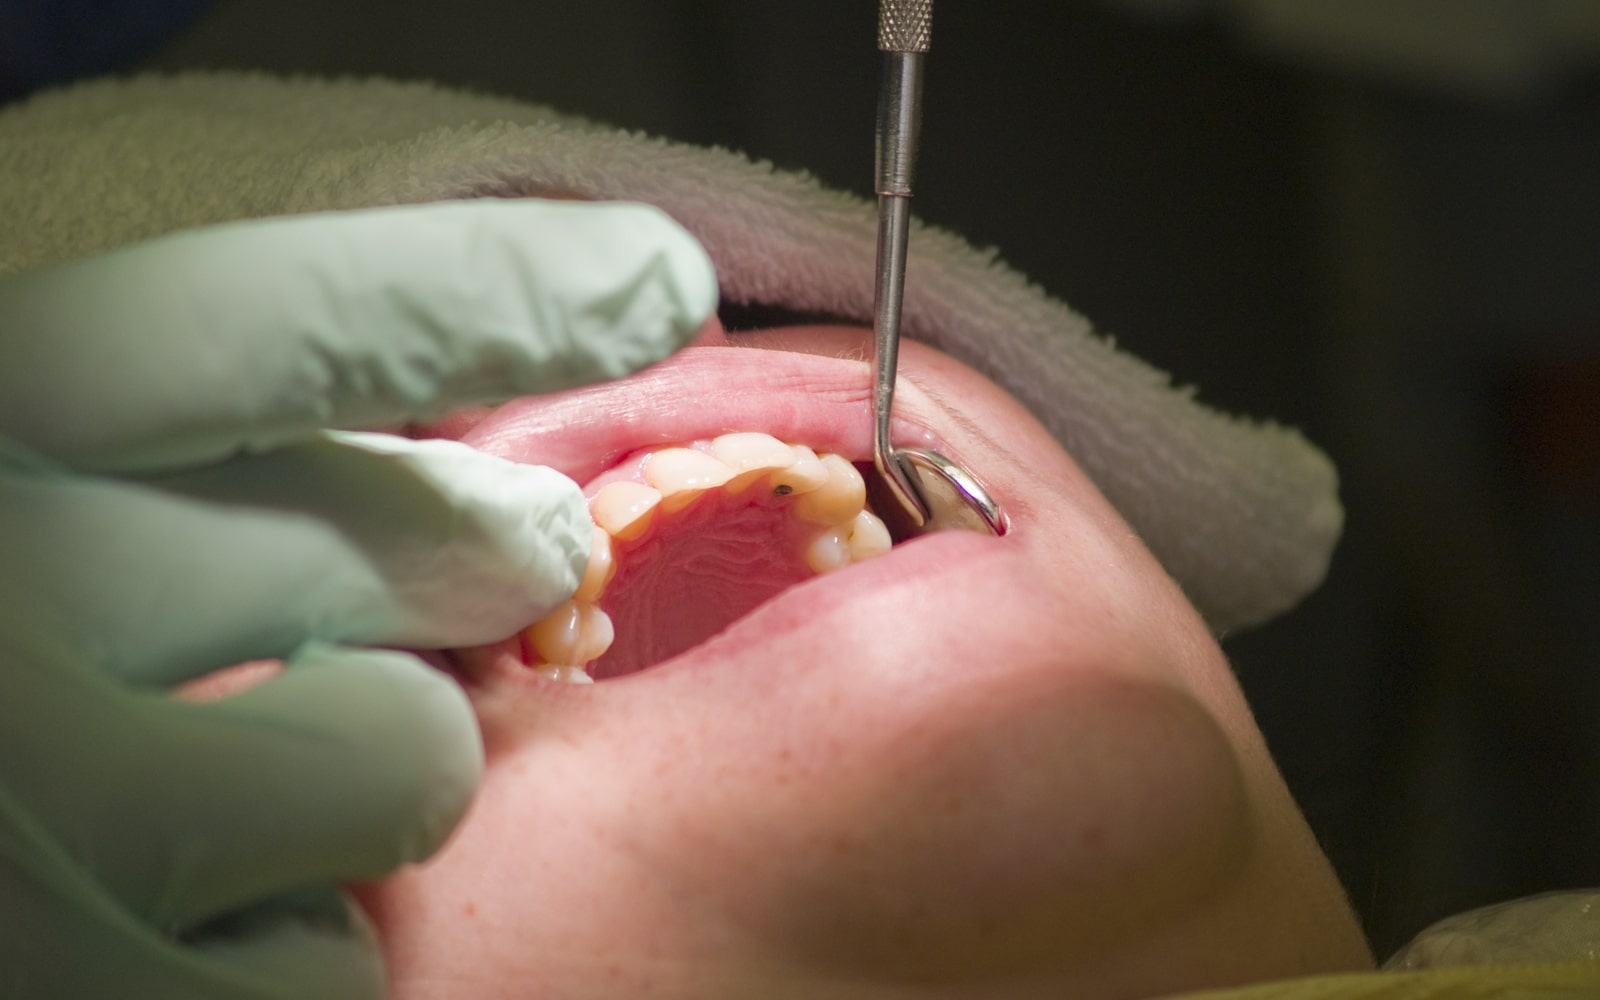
(348, 765)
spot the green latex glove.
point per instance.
(169, 506)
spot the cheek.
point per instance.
(1020, 829)
(529, 890)
(1026, 817)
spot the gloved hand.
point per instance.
(169, 506)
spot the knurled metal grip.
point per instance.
(903, 25)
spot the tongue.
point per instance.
(696, 571)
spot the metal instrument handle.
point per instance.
(933, 492)
(903, 31)
(904, 25)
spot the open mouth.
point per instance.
(729, 493)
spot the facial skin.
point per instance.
(973, 767)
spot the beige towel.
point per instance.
(1243, 514)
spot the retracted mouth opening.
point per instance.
(691, 538)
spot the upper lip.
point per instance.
(807, 399)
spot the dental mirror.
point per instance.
(952, 496)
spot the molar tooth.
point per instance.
(830, 550)
(624, 509)
(838, 499)
(576, 632)
(556, 636)
(804, 474)
(750, 454)
(602, 567)
(682, 474)
(868, 536)
(598, 633)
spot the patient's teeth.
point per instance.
(750, 455)
(602, 567)
(557, 635)
(868, 537)
(838, 499)
(682, 474)
(624, 509)
(751, 450)
(569, 675)
(830, 550)
(803, 475)
(599, 634)
(576, 632)
(826, 491)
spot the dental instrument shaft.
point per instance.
(903, 27)
(934, 493)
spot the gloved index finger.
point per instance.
(241, 337)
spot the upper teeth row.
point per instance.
(828, 492)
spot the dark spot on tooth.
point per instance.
(782, 490)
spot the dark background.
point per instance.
(1406, 266)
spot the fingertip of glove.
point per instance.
(691, 268)
(417, 731)
(568, 292)
(522, 543)
(630, 268)
(514, 544)
(544, 520)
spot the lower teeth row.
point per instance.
(826, 490)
